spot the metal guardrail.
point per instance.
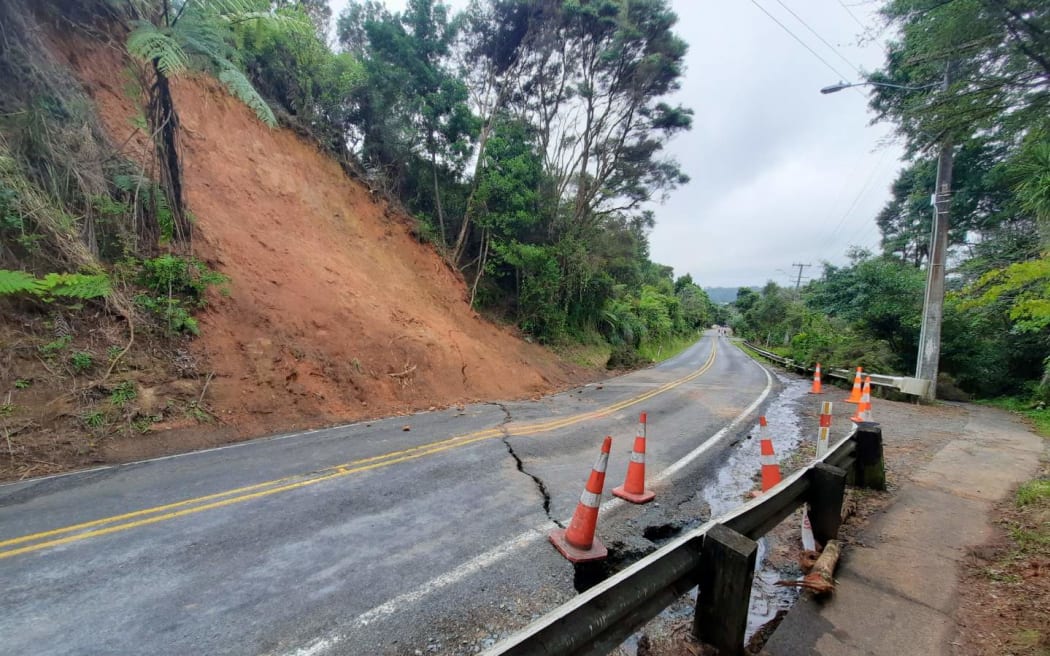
(719, 556)
(903, 384)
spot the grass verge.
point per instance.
(1040, 416)
(592, 356)
(668, 348)
(1009, 578)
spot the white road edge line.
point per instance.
(519, 542)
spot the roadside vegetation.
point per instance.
(996, 330)
(1007, 590)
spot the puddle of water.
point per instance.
(732, 482)
(735, 479)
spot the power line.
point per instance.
(860, 231)
(860, 193)
(800, 41)
(822, 40)
(852, 15)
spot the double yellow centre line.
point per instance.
(116, 523)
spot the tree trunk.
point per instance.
(166, 125)
(437, 200)
(821, 579)
(464, 228)
(485, 240)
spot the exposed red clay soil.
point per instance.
(335, 311)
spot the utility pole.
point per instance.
(798, 281)
(928, 361)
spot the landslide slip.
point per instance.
(336, 312)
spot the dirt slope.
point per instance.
(336, 312)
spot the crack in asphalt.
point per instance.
(540, 485)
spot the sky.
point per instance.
(780, 174)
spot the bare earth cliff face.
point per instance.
(335, 311)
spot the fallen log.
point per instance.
(807, 559)
(849, 506)
(821, 579)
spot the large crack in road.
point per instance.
(540, 485)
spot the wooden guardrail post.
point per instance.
(869, 470)
(727, 568)
(826, 491)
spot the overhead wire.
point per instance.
(822, 39)
(878, 166)
(860, 230)
(800, 41)
(856, 199)
(852, 15)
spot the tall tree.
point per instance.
(415, 106)
(496, 40)
(594, 89)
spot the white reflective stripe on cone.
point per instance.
(602, 463)
(590, 499)
(768, 460)
(637, 457)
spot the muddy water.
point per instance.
(735, 479)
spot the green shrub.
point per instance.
(625, 356)
(123, 393)
(81, 361)
(175, 315)
(188, 277)
(51, 348)
(94, 419)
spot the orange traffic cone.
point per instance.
(633, 489)
(855, 395)
(577, 543)
(816, 381)
(864, 407)
(770, 468)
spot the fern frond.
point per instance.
(242, 89)
(16, 282)
(225, 6)
(129, 182)
(74, 285)
(205, 36)
(149, 43)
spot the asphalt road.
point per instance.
(361, 539)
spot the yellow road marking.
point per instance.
(287, 483)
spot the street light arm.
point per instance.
(834, 88)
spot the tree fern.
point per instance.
(241, 88)
(16, 282)
(151, 43)
(55, 285)
(74, 285)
